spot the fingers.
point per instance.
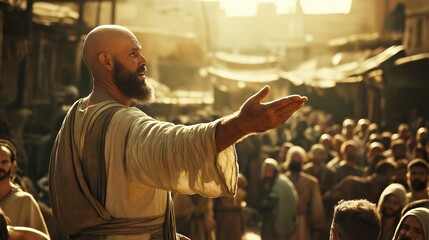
(281, 103)
(259, 96)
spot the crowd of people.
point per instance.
(303, 178)
(296, 177)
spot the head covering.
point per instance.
(418, 163)
(9, 145)
(396, 189)
(422, 214)
(271, 162)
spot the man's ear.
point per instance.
(106, 61)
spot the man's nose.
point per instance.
(142, 60)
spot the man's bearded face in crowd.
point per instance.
(418, 178)
(391, 206)
(131, 85)
(5, 163)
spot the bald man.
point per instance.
(112, 166)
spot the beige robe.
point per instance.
(311, 215)
(158, 157)
(22, 210)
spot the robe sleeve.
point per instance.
(177, 158)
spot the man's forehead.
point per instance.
(5, 150)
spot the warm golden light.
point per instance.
(249, 7)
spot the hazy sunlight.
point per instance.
(248, 7)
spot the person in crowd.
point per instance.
(115, 165)
(373, 156)
(354, 187)
(422, 137)
(355, 220)
(326, 140)
(278, 203)
(420, 152)
(8, 232)
(20, 206)
(194, 216)
(386, 140)
(401, 173)
(389, 206)
(404, 131)
(338, 141)
(418, 203)
(347, 166)
(311, 215)
(417, 176)
(300, 138)
(228, 213)
(414, 225)
(398, 150)
(362, 129)
(317, 168)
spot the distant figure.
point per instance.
(229, 215)
(20, 206)
(418, 176)
(8, 232)
(355, 220)
(391, 202)
(278, 203)
(317, 168)
(414, 225)
(311, 215)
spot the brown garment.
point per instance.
(354, 187)
(81, 182)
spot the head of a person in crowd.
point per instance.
(355, 220)
(374, 149)
(373, 128)
(318, 154)
(414, 225)
(284, 148)
(270, 169)
(404, 131)
(418, 172)
(295, 159)
(391, 201)
(349, 151)
(386, 139)
(420, 152)
(338, 141)
(386, 170)
(8, 157)
(114, 57)
(326, 140)
(422, 136)
(374, 137)
(401, 171)
(348, 128)
(415, 204)
(399, 150)
(363, 125)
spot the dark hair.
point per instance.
(352, 216)
(9, 145)
(4, 221)
(415, 204)
(383, 167)
(418, 162)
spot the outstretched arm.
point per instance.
(255, 116)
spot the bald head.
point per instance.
(107, 39)
(118, 67)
